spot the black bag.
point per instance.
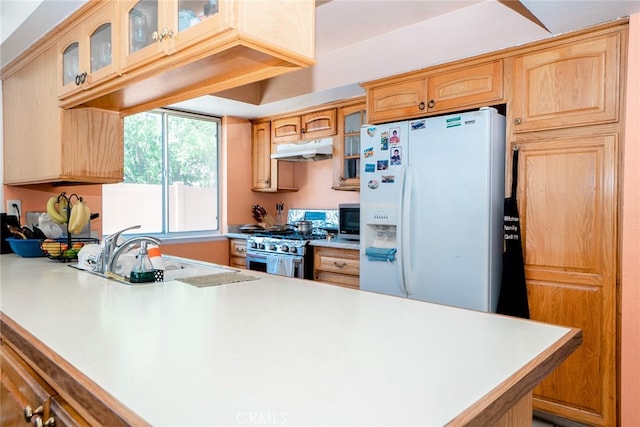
(513, 299)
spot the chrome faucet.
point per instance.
(123, 248)
(111, 250)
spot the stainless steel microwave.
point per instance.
(349, 221)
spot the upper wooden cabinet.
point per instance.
(174, 50)
(267, 175)
(45, 143)
(155, 28)
(86, 52)
(346, 156)
(318, 124)
(261, 156)
(423, 93)
(143, 23)
(568, 85)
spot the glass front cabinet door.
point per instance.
(86, 52)
(156, 28)
(347, 159)
(141, 22)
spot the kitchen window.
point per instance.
(170, 182)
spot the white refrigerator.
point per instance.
(431, 208)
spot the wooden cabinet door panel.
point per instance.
(344, 261)
(238, 253)
(567, 194)
(569, 85)
(261, 156)
(346, 156)
(345, 280)
(319, 124)
(101, 36)
(20, 387)
(577, 382)
(397, 100)
(477, 85)
(286, 129)
(140, 20)
(87, 52)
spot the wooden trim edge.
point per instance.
(489, 409)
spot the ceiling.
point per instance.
(359, 40)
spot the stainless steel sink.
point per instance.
(175, 268)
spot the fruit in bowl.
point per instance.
(53, 248)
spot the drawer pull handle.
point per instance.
(340, 264)
(51, 422)
(30, 412)
(241, 250)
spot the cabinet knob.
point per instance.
(77, 80)
(342, 178)
(83, 77)
(517, 120)
(421, 106)
(156, 37)
(431, 103)
(30, 412)
(166, 33)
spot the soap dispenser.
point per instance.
(143, 269)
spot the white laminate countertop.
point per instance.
(270, 351)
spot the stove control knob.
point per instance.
(272, 247)
(260, 245)
(284, 248)
(254, 245)
(293, 250)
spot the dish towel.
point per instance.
(282, 266)
(381, 254)
(274, 265)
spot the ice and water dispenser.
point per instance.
(380, 232)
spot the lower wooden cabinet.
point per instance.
(57, 394)
(337, 265)
(238, 253)
(26, 398)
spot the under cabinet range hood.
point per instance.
(304, 151)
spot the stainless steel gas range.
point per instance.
(287, 252)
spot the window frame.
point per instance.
(184, 236)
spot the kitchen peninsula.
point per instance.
(268, 351)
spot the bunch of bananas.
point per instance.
(57, 208)
(79, 218)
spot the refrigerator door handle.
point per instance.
(405, 239)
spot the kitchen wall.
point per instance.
(313, 180)
(630, 257)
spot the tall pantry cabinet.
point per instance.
(567, 124)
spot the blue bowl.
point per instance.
(27, 248)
